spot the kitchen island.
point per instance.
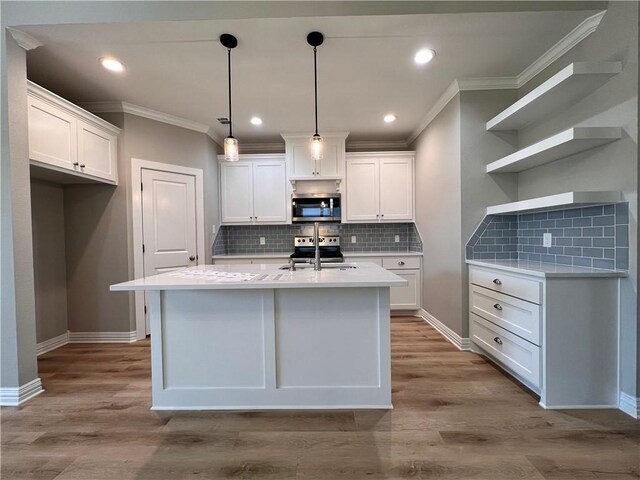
(240, 337)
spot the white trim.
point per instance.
(387, 406)
(582, 31)
(629, 405)
(52, 343)
(102, 337)
(578, 407)
(461, 343)
(575, 36)
(11, 397)
(292, 136)
(137, 165)
(23, 39)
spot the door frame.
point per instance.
(137, 165)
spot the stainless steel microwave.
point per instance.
(315, 207)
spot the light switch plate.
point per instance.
(397, 238)
(262, 241)
(546, 240)
(353, 239)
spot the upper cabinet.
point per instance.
(302, 167)
(253, 190)
(380, 187)
(68, 139)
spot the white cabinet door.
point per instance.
(301, 163)
(269, 191)
(52, 135)
(236, 192)
(362, 190)
(329, 165)
(96, 152)
(396, 189)
(406, 298)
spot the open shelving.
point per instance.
(567, 199)
(563, 89)
(563, 144)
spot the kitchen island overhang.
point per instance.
(274, 339)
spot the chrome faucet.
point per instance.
(317, 265)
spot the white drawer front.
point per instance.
(407, 298)
(515, 315)
(513, 352)
(400, 263)
(506, 283)
(376, 260)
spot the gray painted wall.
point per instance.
(611, 167)
(17, 308)
(49, 264)
(438, 206)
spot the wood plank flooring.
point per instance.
(455, 417)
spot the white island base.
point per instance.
(302, 345)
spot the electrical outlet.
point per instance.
(546, 240)
(262, 241)
(353, 239)
(397, 238)
(213, 229)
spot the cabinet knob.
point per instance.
(192, 258)
(82, 165)
(75, 164)
(382, 215)
(498, 340)
(401, 263)
(497, 281)
(497, 306)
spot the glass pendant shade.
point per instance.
(316, 147)
(231, 149)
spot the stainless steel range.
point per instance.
(304, 249)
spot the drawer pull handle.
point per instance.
(497, 306)
(497, 281)
(498, 340)
(401, 263)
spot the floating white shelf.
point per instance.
(563, 144)
(568, 199)
(565, 88)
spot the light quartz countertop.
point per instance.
(346, 254)
(540, 269)
(266, 276)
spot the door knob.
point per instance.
(192, 258)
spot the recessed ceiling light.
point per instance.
(389, 117)
(256, 120)
(424, 56)
(112, 64)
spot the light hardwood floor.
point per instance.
(455, 417)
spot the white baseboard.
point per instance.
(461, 343)
(52, 343)
(11, 397)
(577, 407)
(102, 337)
(629, 405)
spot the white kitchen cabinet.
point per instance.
(302, 167)
(65, 138)
(379, 187)
(253, 190)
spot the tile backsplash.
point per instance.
(595, 236)
(370, 237)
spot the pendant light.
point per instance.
(315, 39)
(230, 143)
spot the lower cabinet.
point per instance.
(557, 335)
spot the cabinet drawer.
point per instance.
(407, 298)
(376, 260)
(506, 283)
(400, 263)
(515, 315)
(515, 353)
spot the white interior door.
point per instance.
(169, 233)
(362, 190)
(269, 191)
(396, 189)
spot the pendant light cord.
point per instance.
(229, 69)
(315, 85)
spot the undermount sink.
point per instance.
(328, 266)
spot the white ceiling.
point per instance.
(366, 66)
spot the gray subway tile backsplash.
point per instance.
(370, 237)
(595, 236)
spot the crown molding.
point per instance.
(23, 39)
(361, 145)
(575, 36)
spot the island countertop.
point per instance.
(265, 276)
